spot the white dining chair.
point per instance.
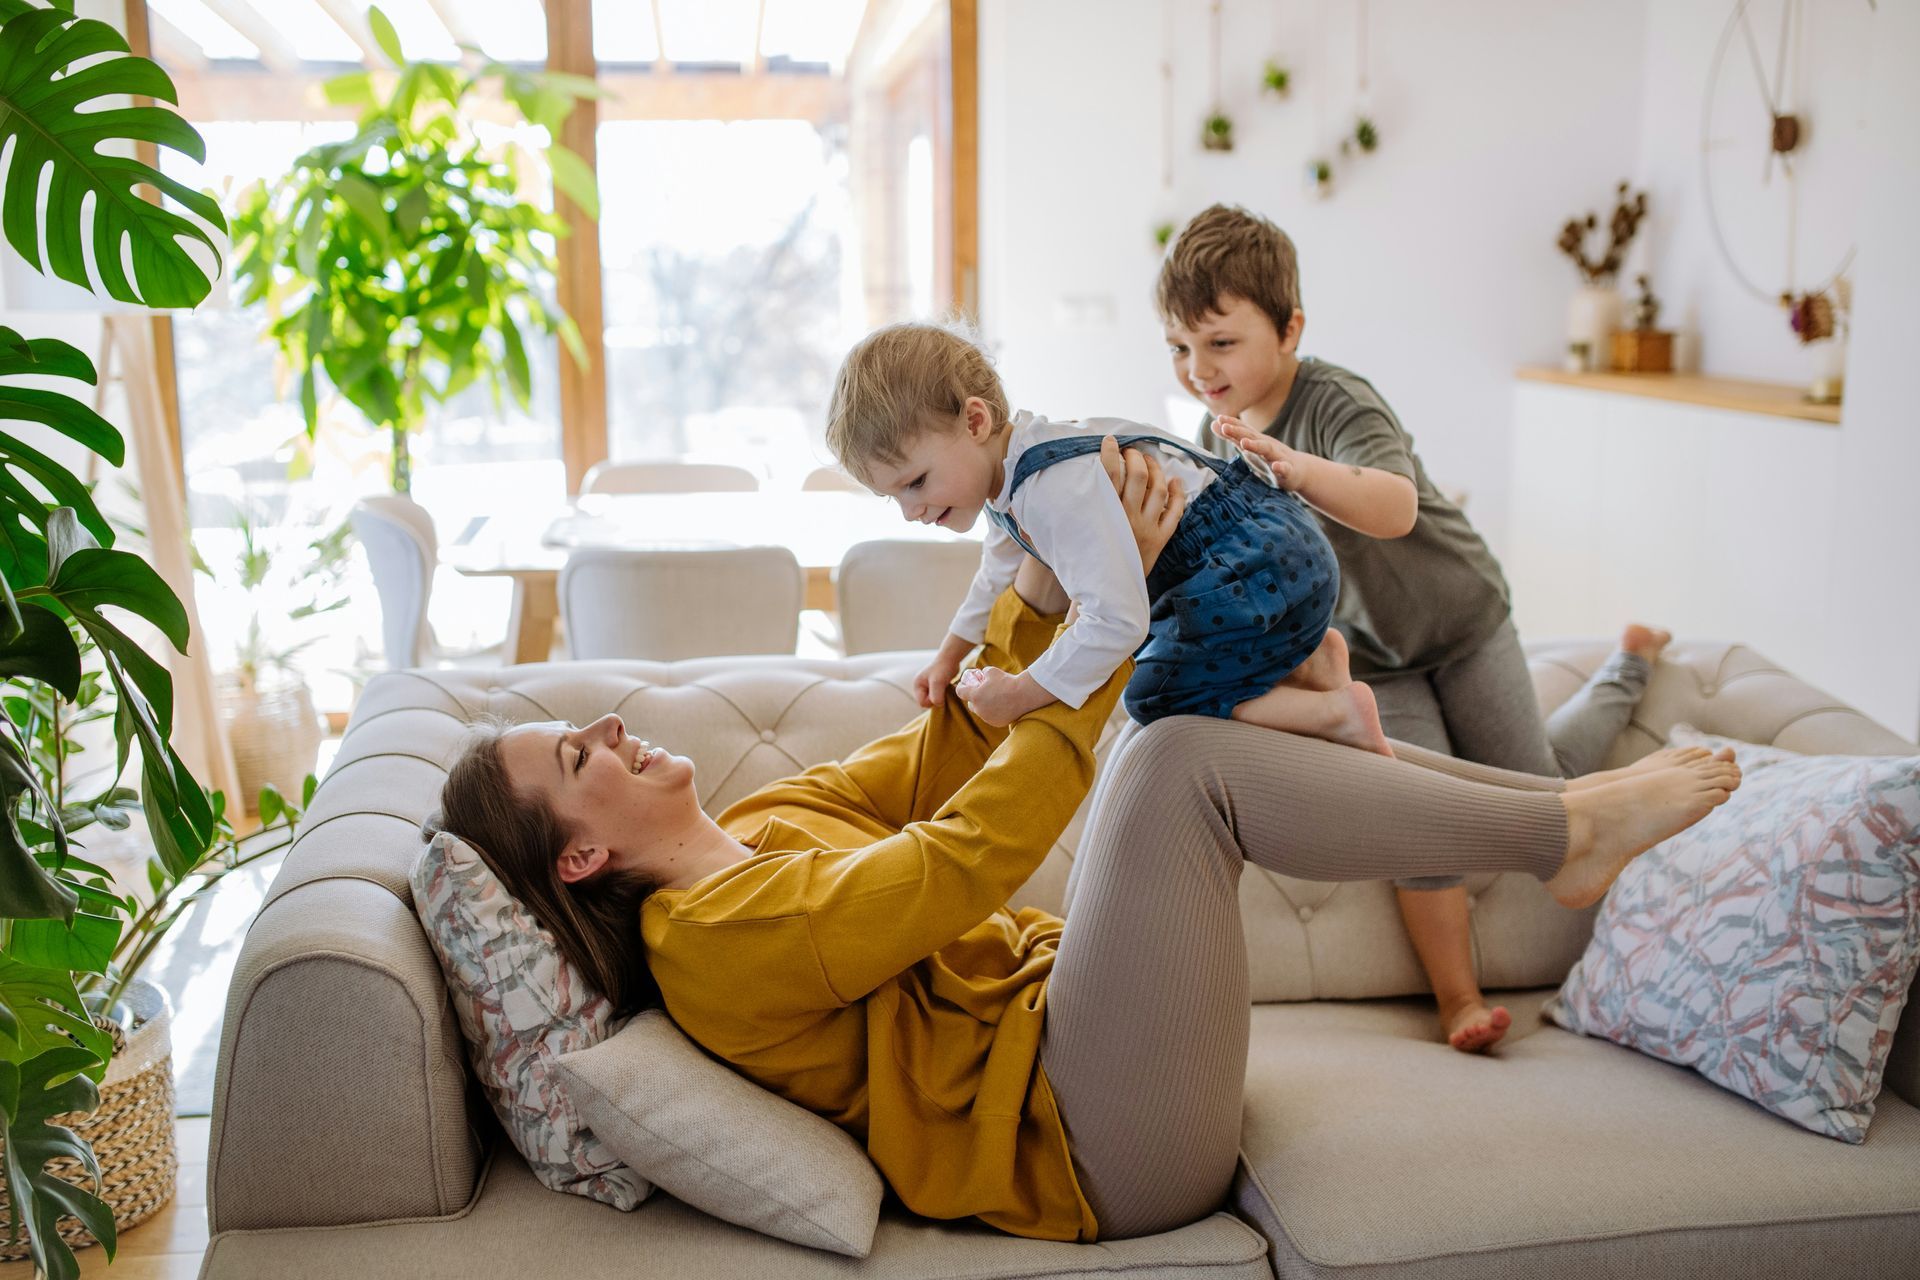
(899, 593)
(402, 551)
(831, 480)
(666, 605)
(668, 477)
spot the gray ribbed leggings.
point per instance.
(1147, 1008)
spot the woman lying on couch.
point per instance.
(840, 937)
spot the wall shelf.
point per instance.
(1774, 399)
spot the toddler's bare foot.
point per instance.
(1325, 670)
(1360, 726)
(1610, 825)
(1473, 1027)
(1645, 642)
(1665, 758)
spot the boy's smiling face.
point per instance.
(1234, 361)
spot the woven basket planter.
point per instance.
(132, 1131)
(275, 733)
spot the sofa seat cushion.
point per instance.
(1371, 1149)
(516, 1227)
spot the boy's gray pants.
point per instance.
(1482, 708)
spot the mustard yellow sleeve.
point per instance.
(905, 776)
(875, 911)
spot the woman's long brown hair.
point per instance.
(595, 922)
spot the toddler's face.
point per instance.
(1231, 359)
(946, 477)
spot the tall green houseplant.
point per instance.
(60, 918)
(406, 263)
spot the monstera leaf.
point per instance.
(56, 120)
(28, 1101)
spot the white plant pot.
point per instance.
(1592, 316)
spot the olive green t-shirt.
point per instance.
(1406, 604)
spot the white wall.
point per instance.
(1874, 602)
(1432, 270)
(1844, 45)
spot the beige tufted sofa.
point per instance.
(347, 1140)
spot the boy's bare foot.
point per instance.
(1645, 642)
(1610, 825)
(1665, 758)
(1473, 1027)
(1326, 668)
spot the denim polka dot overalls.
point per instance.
(1241, 595)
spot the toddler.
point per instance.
(1234, 614)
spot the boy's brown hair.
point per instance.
(901, 381)
(1225, 250)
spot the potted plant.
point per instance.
(131, 1132)
(60, 917)
(1319, 175)
(405, 264)
(1217, 133)
(1275, 80)
(286, 578)
(1594, 312)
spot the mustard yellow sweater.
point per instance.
(863, 964)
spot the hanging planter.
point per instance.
(1162, 234)
(1276, 81)
(1217, 133)
(1365, 135)
(1319, 177)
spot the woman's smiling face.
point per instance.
(616, 794)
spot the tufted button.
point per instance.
(1306, 914)
(768, 735)
(1473, 900)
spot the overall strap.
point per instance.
(1048, 452)
(1006, 522)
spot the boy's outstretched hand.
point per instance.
(1286, 466)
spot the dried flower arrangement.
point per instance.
(1628, 210)
(1821, 315)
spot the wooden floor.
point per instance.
(167, 1246)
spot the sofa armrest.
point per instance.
(341, 1095)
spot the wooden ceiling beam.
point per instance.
(275, 52)
(173, 49)
(354, 23)
(221, 93)
(755, 62)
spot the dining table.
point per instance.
(530, 544)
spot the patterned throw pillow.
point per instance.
(520, 1007)
(1771, 946)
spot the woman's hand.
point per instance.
(1153, 502)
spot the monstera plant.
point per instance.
(404, 263)
(63, 85)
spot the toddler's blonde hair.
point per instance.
(901, 381)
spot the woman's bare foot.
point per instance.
(1326, 669)
(1610, 825)
(1473, 1027)
(1645, 642)
(1665, 758)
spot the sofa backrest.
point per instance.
(342, 1091)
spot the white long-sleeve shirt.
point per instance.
(1072, 516)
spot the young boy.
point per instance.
(1234, 614)
(1423, 603)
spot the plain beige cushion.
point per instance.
(1372, 1149)
(722, 1143)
